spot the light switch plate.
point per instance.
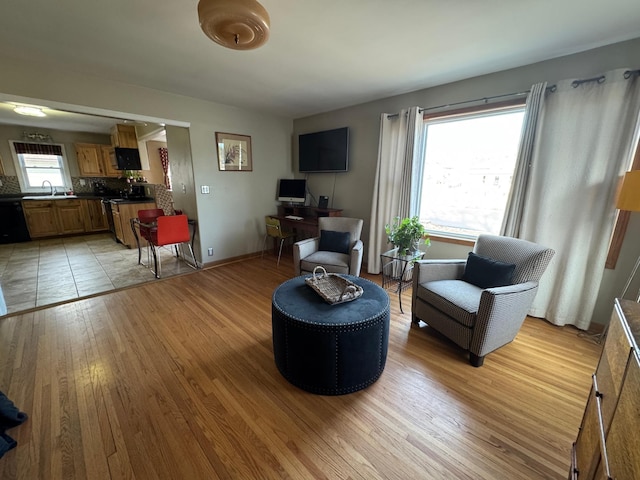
(204, 188)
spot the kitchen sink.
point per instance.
(49, 197)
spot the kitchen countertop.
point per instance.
(80, 196)
(133, 200)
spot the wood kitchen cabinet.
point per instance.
(70, 216)
(108, 162)
(122, 215)
(89, 159)
(40, 216)
(95, 216)
(607, 445)
(94, 160)
(124, 136)
(51, 218)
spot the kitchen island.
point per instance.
(123, 210)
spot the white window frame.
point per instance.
(484, 110)
(22, 174)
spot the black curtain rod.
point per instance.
(483, 99)
(552, 88)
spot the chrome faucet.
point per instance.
(50, 187)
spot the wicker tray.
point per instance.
(333, 288)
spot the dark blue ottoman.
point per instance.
(330, 349)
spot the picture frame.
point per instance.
(234, 152)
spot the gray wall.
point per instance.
(230, 218)
(355, 188)
(68, 139)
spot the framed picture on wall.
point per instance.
(234, 152)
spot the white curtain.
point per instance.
(515, 204)
(583, 145)
(400, 141)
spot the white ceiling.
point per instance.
(321, 55)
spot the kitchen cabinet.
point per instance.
(124, 136)
(40, 218)
(95, 160)
(89, 159)
(95, 217)
(70, 216)
(607, 445)
(51, 218)
(122, 214)
(108, 162)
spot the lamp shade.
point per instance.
(236, 24)
(629, 197)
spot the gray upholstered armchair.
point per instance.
(480, 303)
(338, 248)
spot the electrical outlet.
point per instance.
(210, 251)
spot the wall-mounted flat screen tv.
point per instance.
(292, 190)
(326, 151)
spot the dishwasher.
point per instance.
(13, 226)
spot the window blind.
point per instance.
(37, 148)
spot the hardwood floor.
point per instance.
(176, 380)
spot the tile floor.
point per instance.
(44, 272)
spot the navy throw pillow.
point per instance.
(331, 241)
(485, 272)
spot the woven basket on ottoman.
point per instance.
(330, 349)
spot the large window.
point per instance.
(468, 168)
(37, 164)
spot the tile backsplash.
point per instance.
(164, 197)
(10, 185)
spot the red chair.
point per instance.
(170, 230)
(147, 217)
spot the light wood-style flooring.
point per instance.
(175, 379)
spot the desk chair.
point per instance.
(171, 230)
(148, 216)
(275, 231)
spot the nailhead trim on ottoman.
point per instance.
(330, 349)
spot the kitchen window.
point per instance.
(469, 162)
(38, 163)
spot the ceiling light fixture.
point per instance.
(235, 24)
(30, 111)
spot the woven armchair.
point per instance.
(479, 319)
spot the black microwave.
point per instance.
(127, 158)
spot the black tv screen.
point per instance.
(128, 158)
(326, 151)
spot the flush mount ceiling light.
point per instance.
(30, 111)
(236, 24)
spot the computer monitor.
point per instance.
(292, 190)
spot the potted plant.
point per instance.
(407, 235)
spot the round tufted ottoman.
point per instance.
(330, 349)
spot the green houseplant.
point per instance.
(407, 234)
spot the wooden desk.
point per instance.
(308, 225)
(309, 222)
